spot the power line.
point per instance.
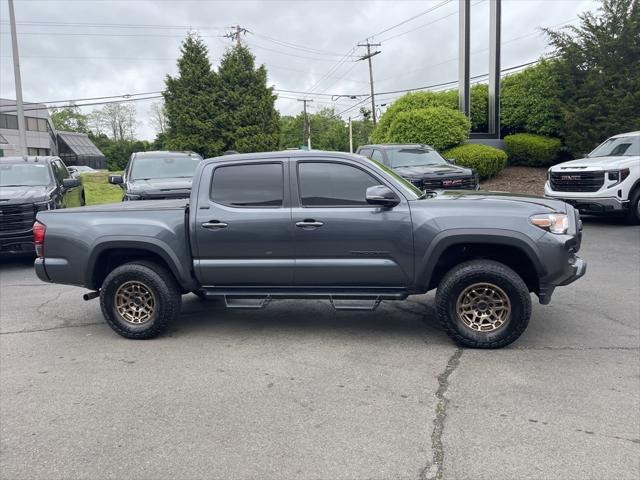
(296, 46)
(425, 24)
(38, 23)
(428, 10)
(86, 104)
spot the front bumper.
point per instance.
(594, 205)
(575, 268)
(21, 244)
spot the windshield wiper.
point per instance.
(17, 185)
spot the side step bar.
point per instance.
(339, 299)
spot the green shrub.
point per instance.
(439, 127)
(485, 160)
(408, 102)
(532, 150)
(445, 98)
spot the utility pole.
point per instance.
(350, 136)
(306, 129)
(22, 135)
(236, 33)
(368, 57)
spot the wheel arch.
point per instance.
(452, 247)
(111, 253)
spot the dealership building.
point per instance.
(42, 139)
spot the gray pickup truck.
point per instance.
(311, 225)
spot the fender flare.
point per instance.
(181, 271)
(494, 236)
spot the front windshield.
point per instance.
(148, 168)
(407, 187)
(414, 156)
(24, 175)
(618, 147)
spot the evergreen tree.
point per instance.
(193, 121)
(599, 74)
(246, 105)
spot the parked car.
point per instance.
(157, 175)
(315, 224)
(77, 170)
(29, 185)
(607, 181)
(422, 165)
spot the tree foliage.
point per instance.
(190, 98)
(248, 118)
(118, 152)
(69, 119)
(599, 74)
(440, 127)
(530, 101)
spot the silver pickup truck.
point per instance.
(311, 225)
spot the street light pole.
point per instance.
(22, 134)
(350, 136)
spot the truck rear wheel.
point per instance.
(483, 304)
(139, 300)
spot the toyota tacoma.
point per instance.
(313, 224)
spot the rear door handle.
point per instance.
(214, 224)
(309, 223)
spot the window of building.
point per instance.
(42, 125)
(249, 185)
(32, 124)
(324, 184)
(8, 121)
(40, 152)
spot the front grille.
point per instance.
(17, 218)
(466, 183)
(576, 181)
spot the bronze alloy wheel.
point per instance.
(135, 302)
(483, 307)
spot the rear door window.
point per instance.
(249, 185)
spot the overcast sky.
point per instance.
(75, 49)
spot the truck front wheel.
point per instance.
(139, 300)
(483, 304)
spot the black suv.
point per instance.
(422, 166)
(157, 175)
(27, 186)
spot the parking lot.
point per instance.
(301, 391)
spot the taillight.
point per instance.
(39, 230)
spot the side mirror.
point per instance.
(70, 183)
(452, 161)
(115, 179)
(382, 195)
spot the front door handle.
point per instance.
(309, 223)
(214, 224)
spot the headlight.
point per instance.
(40, 206)
(552, 222)
(617, 176)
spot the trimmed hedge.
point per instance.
(439, 127)
(485, 160)
(532, 150)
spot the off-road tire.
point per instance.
(483, 271)
(633, 216)
(165, 291)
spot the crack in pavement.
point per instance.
(13, 332)
(434, 469)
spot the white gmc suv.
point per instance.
(606, 181)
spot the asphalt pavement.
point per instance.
(299, 391)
